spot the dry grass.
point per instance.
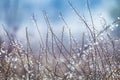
(99, 59)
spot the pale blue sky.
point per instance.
(19, 10)
(18, 13)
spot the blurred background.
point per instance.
(15, 15)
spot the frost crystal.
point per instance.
(96, 43)
(2, 51)
(71, 75)
(80, 77)
(62, 60)
(72, 62)
(118, 17)
(116, 25)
